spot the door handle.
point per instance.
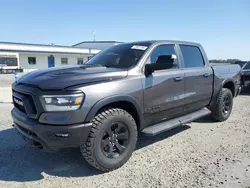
(206, 74)
(179, 78)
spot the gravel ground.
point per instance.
(200, 154)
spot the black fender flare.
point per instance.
(216, 95)
(227, 81)
(108, 100)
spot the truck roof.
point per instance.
(149, 42)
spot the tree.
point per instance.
(224, 61)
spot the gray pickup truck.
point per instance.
(142, 87)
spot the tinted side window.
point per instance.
(163, 50)
(32, 60)
(8, 61)
(192, 56)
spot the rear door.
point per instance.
(198, 78)
(163, 89)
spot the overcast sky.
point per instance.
(221, 26)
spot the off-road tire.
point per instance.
(217, 110)
(92, 151)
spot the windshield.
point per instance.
(247, 66)
(241, 63)
(120, 56)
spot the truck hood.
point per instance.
(61, 78)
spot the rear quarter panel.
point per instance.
(224, 73)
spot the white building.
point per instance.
(35, 56)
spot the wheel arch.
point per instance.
(124, 102)
(229, 84)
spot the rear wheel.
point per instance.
(111, 141)
(223, 107)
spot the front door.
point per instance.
(51, 61)
(163, 89)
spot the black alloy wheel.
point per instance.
(227, 104)
(112, 139)
(222, 109)
(115, 140)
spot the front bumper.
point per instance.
(49, 137)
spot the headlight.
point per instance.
(62, 102)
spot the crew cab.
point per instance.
(100, 107)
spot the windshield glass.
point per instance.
(120, 56)
(241, 63)
(247, 66)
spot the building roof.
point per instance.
(32, 44)
(41, 48)
(96, 42)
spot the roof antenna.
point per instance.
(93, 35)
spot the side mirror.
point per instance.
(163, 62)
(149, 69)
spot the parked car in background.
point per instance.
(101, 106)
(245, 74)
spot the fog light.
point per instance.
(63, 135)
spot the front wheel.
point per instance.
(111, 141)
(223, 107)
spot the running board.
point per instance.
(170, 124)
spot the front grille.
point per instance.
(28, 106)
(18, 106)
(32, 105)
